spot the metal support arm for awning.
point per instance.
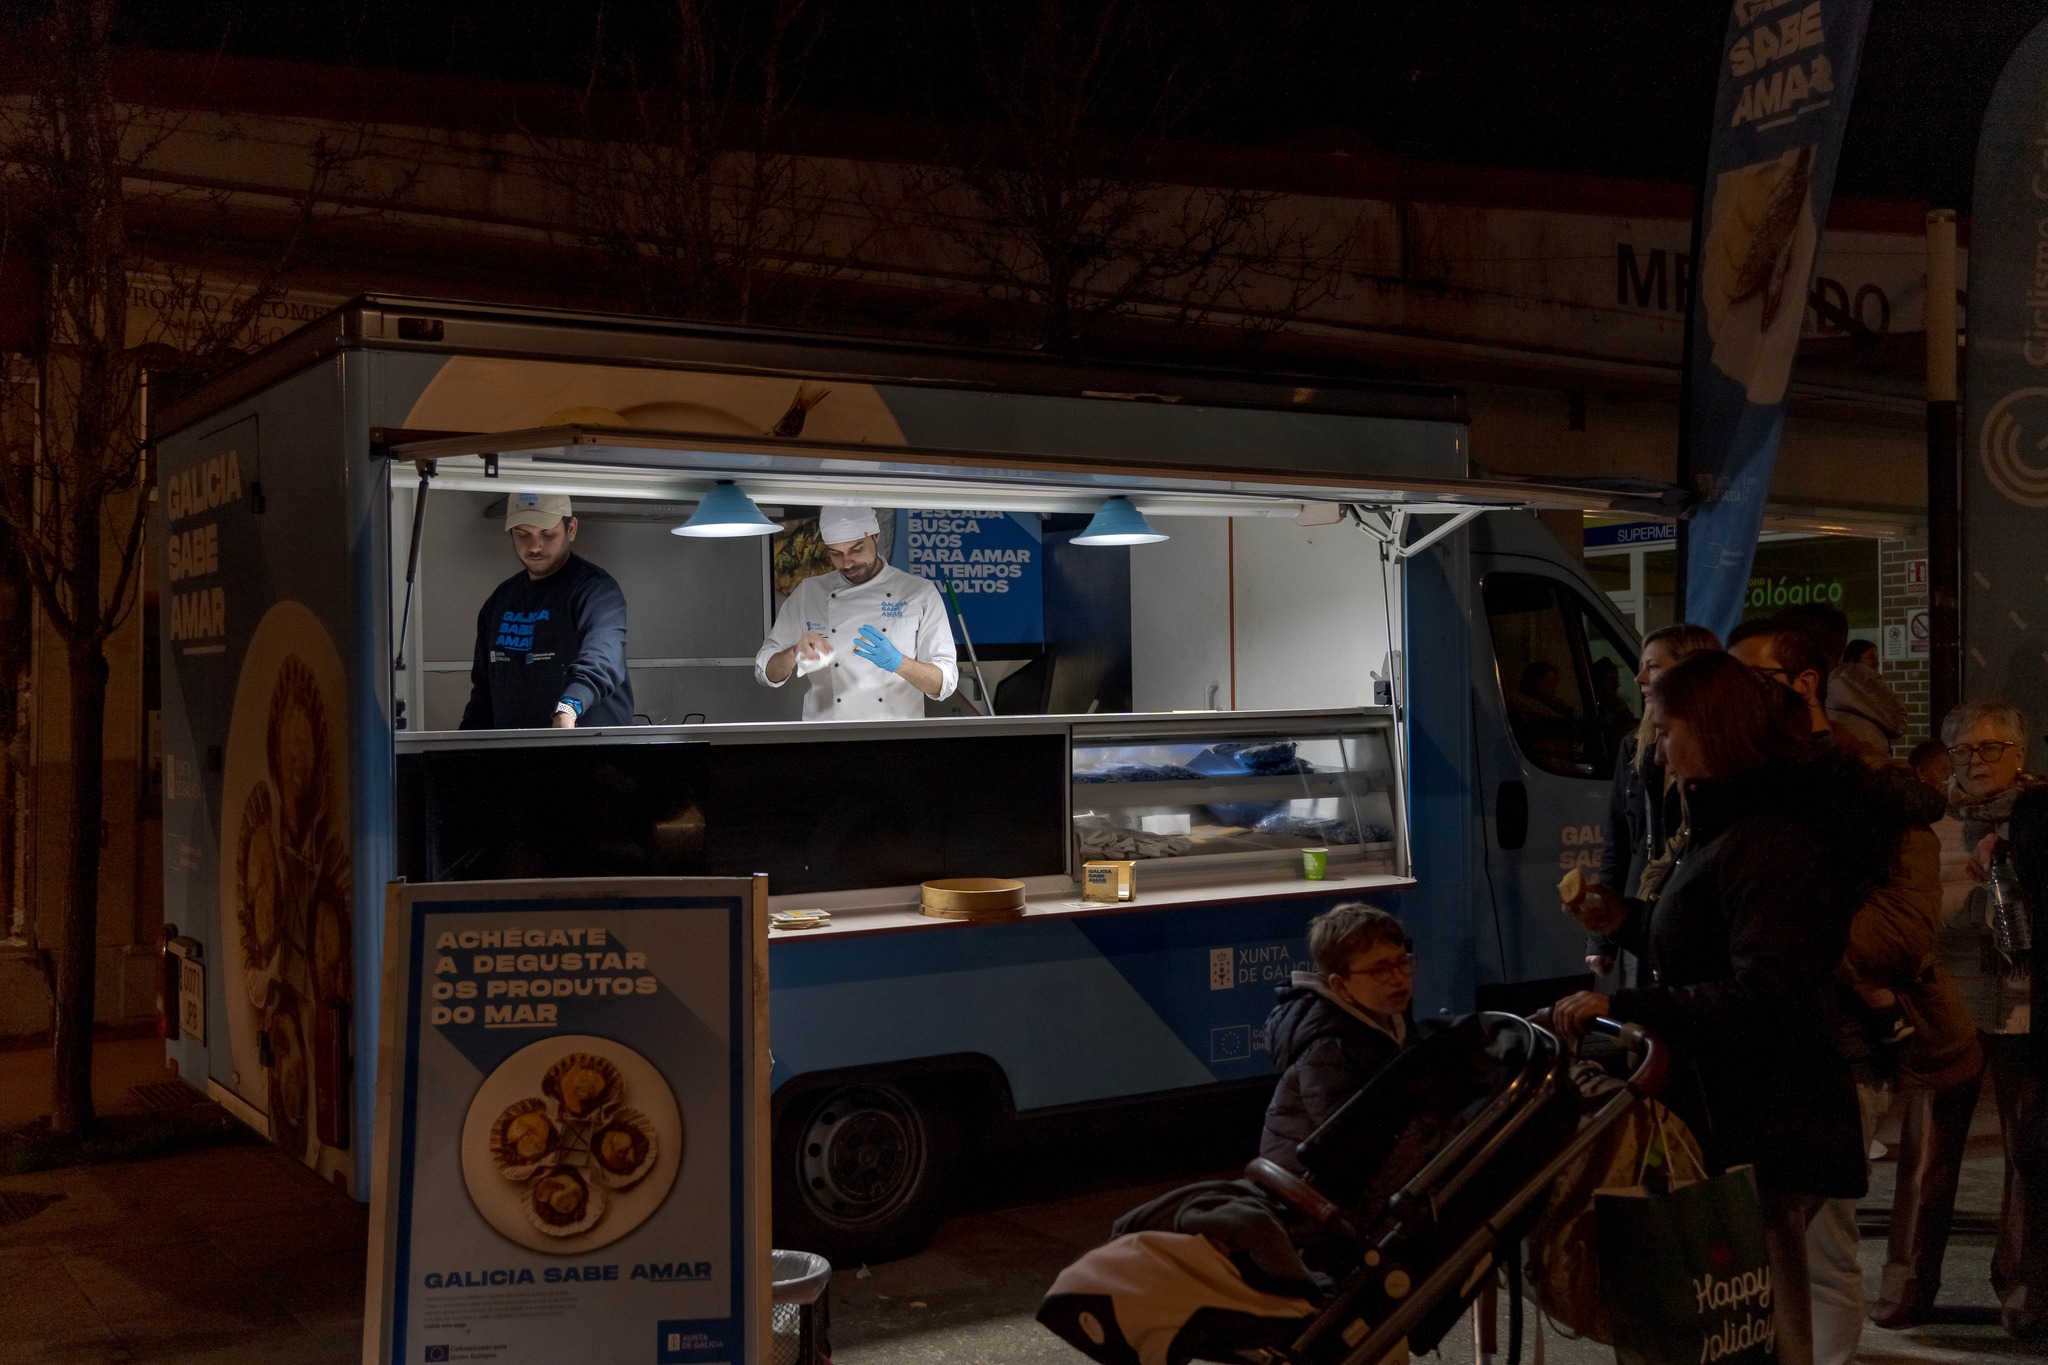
(1389, 525)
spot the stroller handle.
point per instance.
(1653, 1059)
(1284, 1185)
(1653, 1064)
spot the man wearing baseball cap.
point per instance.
(551, 640)
(873, 640)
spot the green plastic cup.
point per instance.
(1315, 863)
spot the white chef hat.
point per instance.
(837, 525)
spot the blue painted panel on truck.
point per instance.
(1072, 1009)
(1443, 912)
(258, 674)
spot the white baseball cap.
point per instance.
(536, 509)
(838, 525)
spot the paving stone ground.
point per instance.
(238, 1255)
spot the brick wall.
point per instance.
(1896, 599)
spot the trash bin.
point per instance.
(802, 1313)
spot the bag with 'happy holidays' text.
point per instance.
(1685, 1275)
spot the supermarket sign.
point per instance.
(1630, 533)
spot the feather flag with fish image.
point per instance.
(1787, 74)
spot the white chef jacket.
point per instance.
(902, 606)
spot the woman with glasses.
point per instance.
(1987, 743)
(1783, 842)
(1336, 1027)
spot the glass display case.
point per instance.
(829, 808)
(1239, 788)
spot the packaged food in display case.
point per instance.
(1247, 787)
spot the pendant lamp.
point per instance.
(726, 511)
(1119, 522)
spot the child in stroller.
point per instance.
(1413, 1191)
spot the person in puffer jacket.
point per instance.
(1334, 1029)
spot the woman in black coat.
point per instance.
(1740, 948)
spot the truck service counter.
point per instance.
(852, 817)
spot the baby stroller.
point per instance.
(1417, 1188)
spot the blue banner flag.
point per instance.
(2005, 394)
(1788, 69)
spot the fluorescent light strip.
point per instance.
(950, 495)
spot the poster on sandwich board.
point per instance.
(572, 1124)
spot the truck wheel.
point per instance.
(861, 1173)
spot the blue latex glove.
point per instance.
(872, 645)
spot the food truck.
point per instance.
(1327, 635)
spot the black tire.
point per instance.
(862, 1172)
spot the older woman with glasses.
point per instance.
(1987, 743)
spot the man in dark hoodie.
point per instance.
(1334, 1029)
(551, 639)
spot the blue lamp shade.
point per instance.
(726, 511)
(1119, 523)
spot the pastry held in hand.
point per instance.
(1597, 909)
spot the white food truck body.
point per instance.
(1343, 643)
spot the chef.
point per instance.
(551, 639)
(873, 639)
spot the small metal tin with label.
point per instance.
(1109, 880)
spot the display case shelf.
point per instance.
(1249, 788)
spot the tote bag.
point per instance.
(1650, 1149)
(1685, 1274)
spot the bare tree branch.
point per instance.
(76, 166)
(672, 168)
(1055, 193)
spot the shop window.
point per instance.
(1567, 680)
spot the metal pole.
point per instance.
(412, 560)
(1944, 474)
(1681, 545)
(988, 703)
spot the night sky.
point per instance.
(1613, 87)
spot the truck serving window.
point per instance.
(1567, 682)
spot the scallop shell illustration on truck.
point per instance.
(1754, 267)
(287, 886)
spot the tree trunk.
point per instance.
(72, 1009)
